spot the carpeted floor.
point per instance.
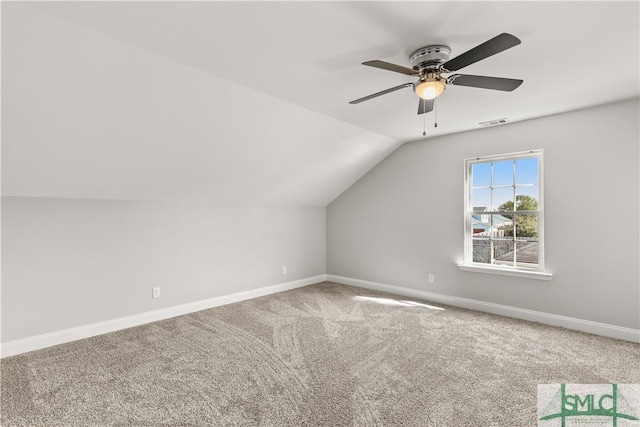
(322, 355)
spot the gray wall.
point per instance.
(70, 262)
(404, 219)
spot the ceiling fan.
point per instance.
(430, 62)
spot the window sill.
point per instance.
(539, 275)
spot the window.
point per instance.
(504, 214)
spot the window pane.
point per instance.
(527, 171)
(527, 253)
(503, 199)
(481, 198)
(503, 251)
(482, 251)
(526, 227)
(503, 173)
(501, 225)
(480, 225)
(527, 198)
(481, 174)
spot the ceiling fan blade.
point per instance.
(425, 105)
(484, 82)
(383, 92)
(391, 67)
(489, 48)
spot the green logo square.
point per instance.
(564, 405)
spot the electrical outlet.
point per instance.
(432, 278)
(284, 270)
(155, 293)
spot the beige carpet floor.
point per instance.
(322, 355)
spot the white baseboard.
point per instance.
(588, 326)
(12, 348)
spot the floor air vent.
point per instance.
(496, 122)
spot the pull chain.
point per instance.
(435, 114)
(424, 123)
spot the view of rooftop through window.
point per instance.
(505, 212)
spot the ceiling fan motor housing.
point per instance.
(430, 57)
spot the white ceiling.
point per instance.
(247, 102)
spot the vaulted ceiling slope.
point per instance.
(247, 102)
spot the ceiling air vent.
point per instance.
(495, 122)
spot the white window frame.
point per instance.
(519, 271)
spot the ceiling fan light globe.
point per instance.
(430, 89)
